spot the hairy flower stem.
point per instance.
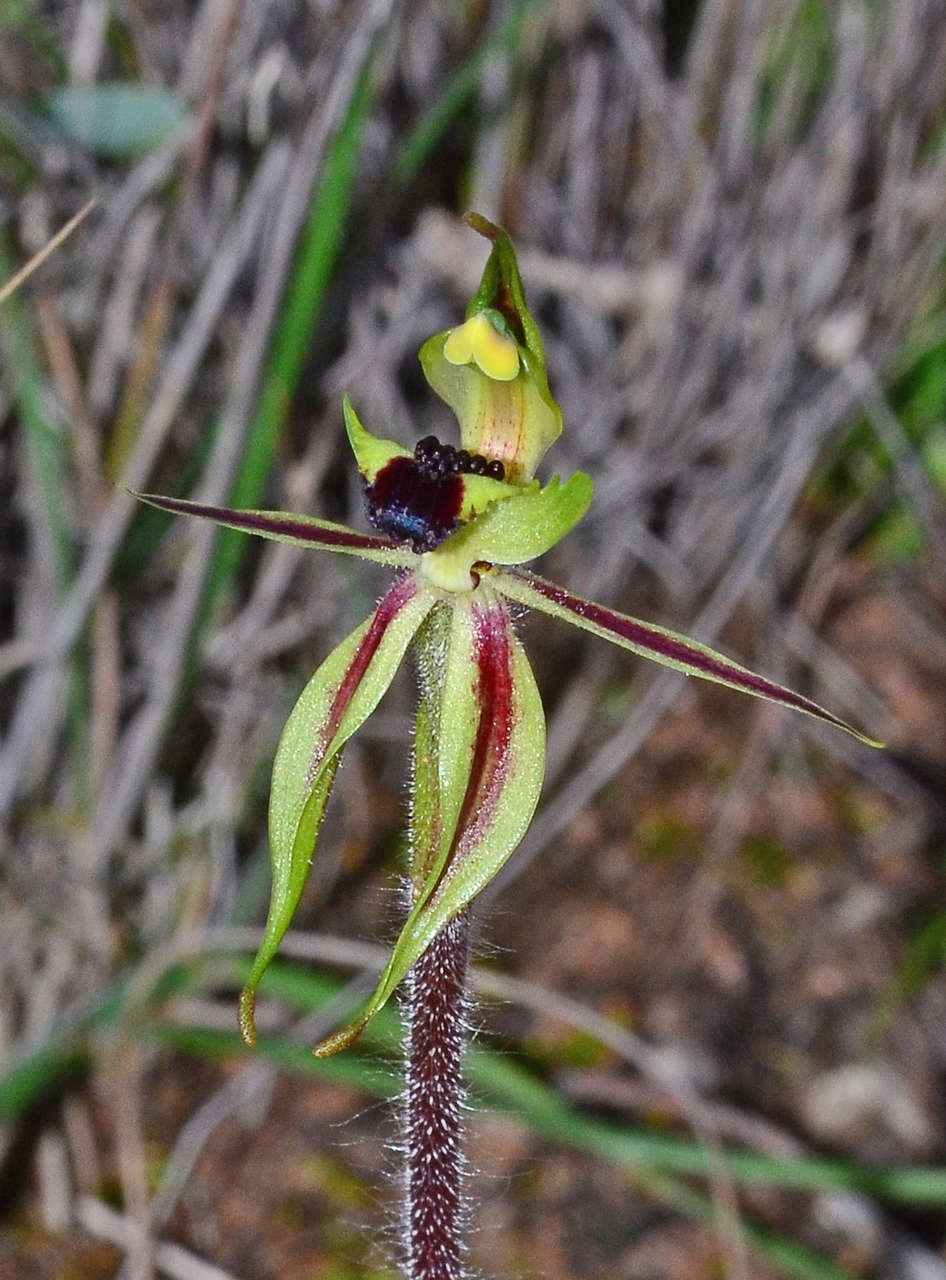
(436, 1038)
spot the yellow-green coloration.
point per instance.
(453, 863)
(482, 342)
(371, 452)
(479, 742)
(511, 418)
(514, 531)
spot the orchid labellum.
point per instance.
(457, 525)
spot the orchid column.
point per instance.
(457, 524)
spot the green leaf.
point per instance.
(340, 696)
(657, 643)
(287, 526)
(479, 763)
(117, 120)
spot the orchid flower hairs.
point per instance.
(456, 525)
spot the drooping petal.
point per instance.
(491, 369)
(340, 696)
(285, 526)
(660, 645)
(477, 778)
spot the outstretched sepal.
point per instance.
(337, 700)
(657, 643)
(287, 526)
(491, 369)
(479, 759)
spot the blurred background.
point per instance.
(712, 1029)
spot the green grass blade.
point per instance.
(462, 84)
(45, 446)
(319, 249)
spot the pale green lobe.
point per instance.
(658, 644)
(513, 531)
(450, 707)
(525, 526)
(477, 778)
(372, 453)
(512, 419)
(337, 700)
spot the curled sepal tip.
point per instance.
(340, 696)
(477, 780)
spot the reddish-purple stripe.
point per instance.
(669, 647)
(403, 591)
(260, 522)
(494, 695)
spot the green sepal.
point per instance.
(372, 453)
(290, 527)
(514, 421)
(501, 290)
(475, 789)
(337, 700)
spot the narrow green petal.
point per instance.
(657, 643)
(287, 526)
(340, 696)
(490, 780)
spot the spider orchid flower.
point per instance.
(457, 525)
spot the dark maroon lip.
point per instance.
(417, 500)
(410, 503)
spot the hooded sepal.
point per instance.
(479, 759)
(491, 369)
(657, 643)
(337, 700)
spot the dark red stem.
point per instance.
(437, 1030)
